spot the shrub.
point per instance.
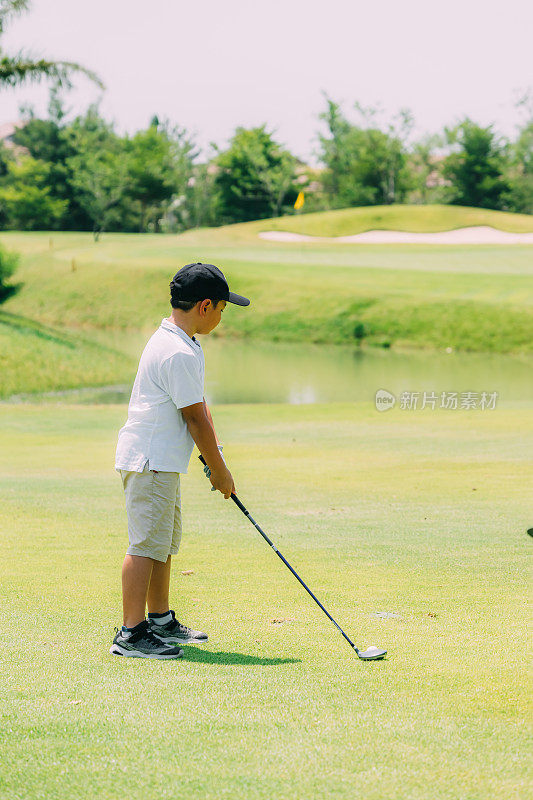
(8, 263)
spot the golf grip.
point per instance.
(275, 549)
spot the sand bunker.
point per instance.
(482, 234)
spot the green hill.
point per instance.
(415, 219)
(82, 299)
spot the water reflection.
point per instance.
(240, 372)
(267, 372)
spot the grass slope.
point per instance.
(414, 219)
(39, 358)
(477, 298)
(420, 515)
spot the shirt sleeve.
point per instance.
(181, 378)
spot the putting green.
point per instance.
(418, 515)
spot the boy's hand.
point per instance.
(222, 480)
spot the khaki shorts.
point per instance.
(154, 513)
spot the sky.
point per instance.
(210, 66)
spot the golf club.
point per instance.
(371, 653)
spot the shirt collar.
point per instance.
(171, 326)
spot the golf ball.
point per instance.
(372, 647)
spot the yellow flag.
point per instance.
(300, 200)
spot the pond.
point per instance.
(240, 372)
(264, 372)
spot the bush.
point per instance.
(359, 332)
(8, 264)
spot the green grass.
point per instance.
(421, 514)
(472, 298)
(415, 219)
(39, 358)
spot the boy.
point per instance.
(167, 415)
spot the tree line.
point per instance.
(80, 174)
(58, 173)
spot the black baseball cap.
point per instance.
(199, 281)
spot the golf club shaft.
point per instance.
(275, 549)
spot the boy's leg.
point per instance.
(150, 500)
(158, 589)
(161, 617)
(136, 574)
(147, 508)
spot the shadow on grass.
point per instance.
(66, 338)
(34, 328)
(221, 657)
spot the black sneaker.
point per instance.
(174, 631)
(142, 644)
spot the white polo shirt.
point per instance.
(170, 376)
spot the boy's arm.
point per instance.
(203, 433)
(210, 418)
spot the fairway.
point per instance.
(419, 516)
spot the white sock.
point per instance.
(160, 619)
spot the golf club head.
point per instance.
(372, 653)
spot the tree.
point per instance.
(476, 168)
(108, 182)
(364, 164)
(8, 264)
(159, 164)
(203, 199)
(422, 161)
(198, 206)
(5, 157)
(47, 140)
(100, 179)
(21, 68)
(97, 172)
(519, 196)
(255, 176)
(520, 192)
(26, 198)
